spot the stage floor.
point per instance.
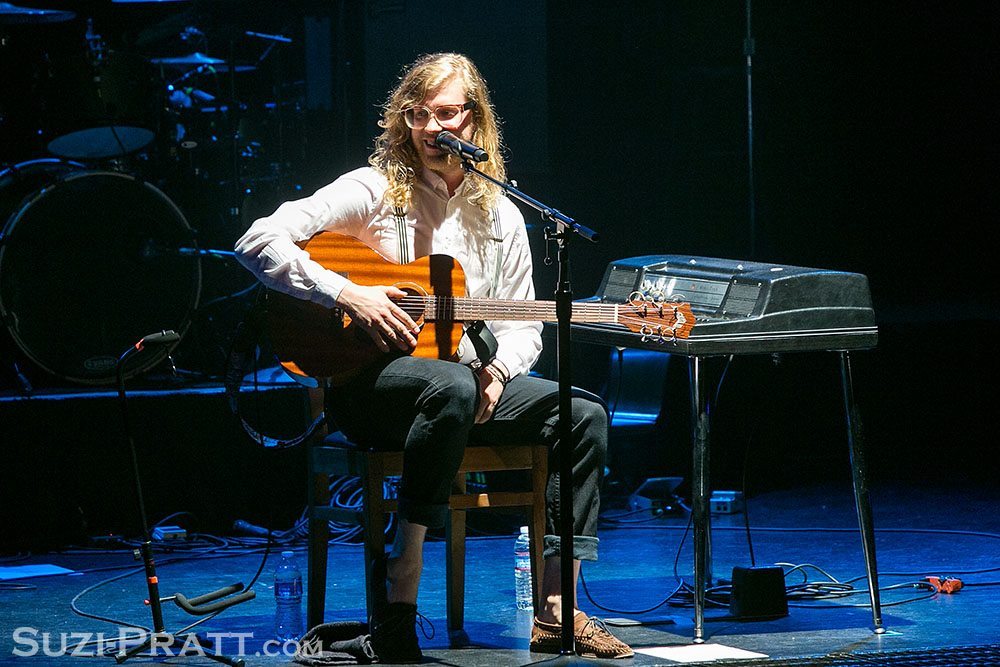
(926, 527)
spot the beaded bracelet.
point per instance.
(497, 373)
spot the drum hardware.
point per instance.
(213, 139)
(187, 97)
(270, 38)
(103, 105)
(239, 69)
(203, 115)
(29, 37)
(195, 59)
(153, 248)
(192, 35)
(228, 140)
(26, 387)
(96, 47)
(75, 282)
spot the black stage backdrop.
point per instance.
(874, 150)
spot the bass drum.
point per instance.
(90, 263)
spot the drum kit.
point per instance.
(94, 254)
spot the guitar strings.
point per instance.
(451, 307)
(496, 309)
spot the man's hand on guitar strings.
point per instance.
(375, 311)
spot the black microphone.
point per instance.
(159, 338)
(248, 528)
(460, 147)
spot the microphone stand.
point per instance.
(201, 605)
(562, 227)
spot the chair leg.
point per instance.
(319, 536)
(373, 528)
(536, 526)
(455, 563)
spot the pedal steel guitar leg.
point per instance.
(862, 500)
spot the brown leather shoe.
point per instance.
(591, 638)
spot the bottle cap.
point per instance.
(524, 530)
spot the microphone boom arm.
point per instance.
(547, 212)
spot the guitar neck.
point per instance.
(468, 309)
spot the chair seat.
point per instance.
(339, 455)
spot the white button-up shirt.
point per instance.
(493, 252)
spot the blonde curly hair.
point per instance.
(397, 159)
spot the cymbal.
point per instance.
(190, 60)
(14, 15)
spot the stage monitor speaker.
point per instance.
(758, 594)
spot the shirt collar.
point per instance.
(437, 184)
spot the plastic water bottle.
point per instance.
(522, 570)
(287, 599)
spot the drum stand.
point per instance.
(27, 389)
(209, 603)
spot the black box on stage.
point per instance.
(758, 593)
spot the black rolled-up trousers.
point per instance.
(428, 408)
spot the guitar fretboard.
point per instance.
(470, 309)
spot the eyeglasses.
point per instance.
(418, 116)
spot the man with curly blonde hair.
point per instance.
(415, 199)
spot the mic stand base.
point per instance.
(562, 660)
(159, 638)
(195, 645)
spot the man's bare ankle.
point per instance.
(546, 616)
(403, 578)
(553, 615)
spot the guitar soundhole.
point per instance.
(413, 303)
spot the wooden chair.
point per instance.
(337, 455)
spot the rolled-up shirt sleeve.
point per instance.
(518, 343)
(270, 250)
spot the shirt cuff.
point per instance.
(510, 363)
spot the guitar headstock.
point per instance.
(655, 319)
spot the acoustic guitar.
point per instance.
(313, 342)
